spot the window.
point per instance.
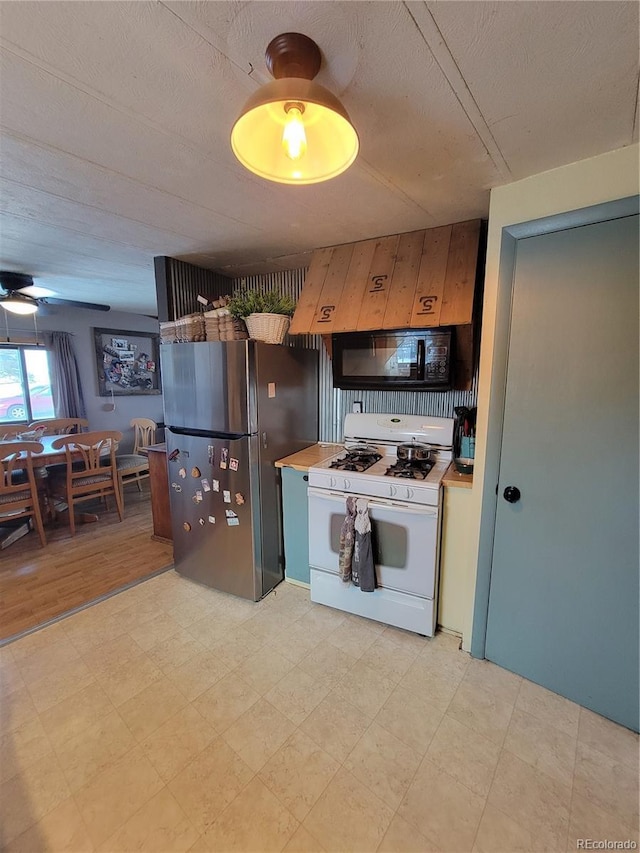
(25, 384)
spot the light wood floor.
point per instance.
(38, 584)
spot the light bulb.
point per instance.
(17, 304)
(294, 139)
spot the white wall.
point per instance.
(80, 323)
(600, 179)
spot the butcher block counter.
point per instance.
(312, 455)
(455, 478)
(295, 508)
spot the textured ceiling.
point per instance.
(115, 120)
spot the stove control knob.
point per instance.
(347, 484)
(332, 482)
(392, 491)
(409, 494)
(511, 494)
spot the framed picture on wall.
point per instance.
(127, 363)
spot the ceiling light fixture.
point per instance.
(292, 130)
(18, 303)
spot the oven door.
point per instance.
(404, 538)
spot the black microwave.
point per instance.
(403, 359)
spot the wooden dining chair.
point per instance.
(19, 497)
(135, 466)
(12, 433)
(90, 470)
(61, 426)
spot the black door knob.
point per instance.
(511, 494)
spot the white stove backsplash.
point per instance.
(393, 429)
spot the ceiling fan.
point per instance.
(14, 299)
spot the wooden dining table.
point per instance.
(48, 455)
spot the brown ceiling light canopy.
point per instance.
(292, 130)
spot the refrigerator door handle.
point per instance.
(264, 440)
(205, 433)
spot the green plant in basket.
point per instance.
(246, 302)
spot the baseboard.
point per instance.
(294, 582)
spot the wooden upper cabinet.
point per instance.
(414, 280)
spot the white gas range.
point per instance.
(404, 506)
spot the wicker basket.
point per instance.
(270, 328)
(167, 332)
(219, 325)
(190, 328)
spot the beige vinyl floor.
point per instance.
(172, 717)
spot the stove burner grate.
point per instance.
(355, 461)
(410, 470)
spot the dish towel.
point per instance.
(347, 536)
(363, 571)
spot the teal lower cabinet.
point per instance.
(295, 523)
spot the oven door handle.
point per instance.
(418, 509)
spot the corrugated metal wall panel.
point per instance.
(436, 403)
(334, 403)
(179, 284)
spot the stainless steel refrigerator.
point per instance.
(231, 409)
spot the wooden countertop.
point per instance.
(456, 479)
(302, 460)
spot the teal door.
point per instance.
(563, 603)
(295, 505)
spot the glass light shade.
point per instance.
(257, 136)
(17, 304)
